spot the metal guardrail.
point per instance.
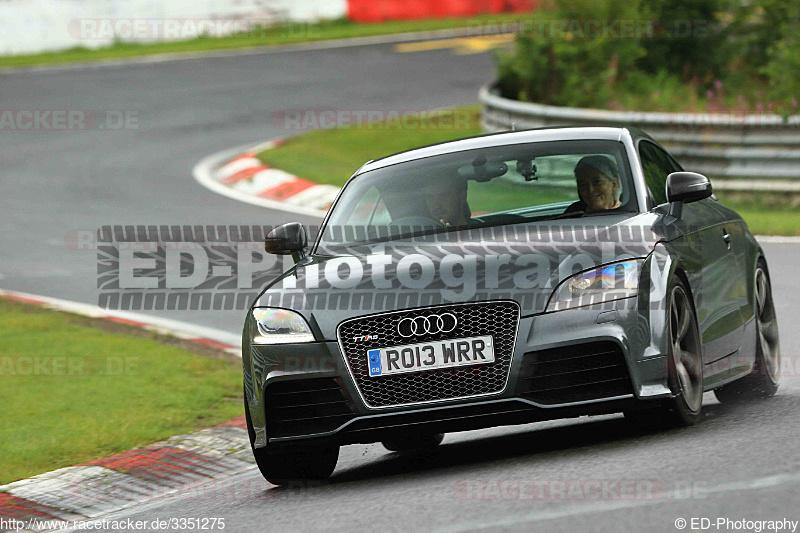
(759, 148)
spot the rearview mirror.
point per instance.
(483, 171)
(287, 239)
(687, 187)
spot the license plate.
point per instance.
(430, 355)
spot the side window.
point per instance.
(657, 165)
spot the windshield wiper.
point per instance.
(571, 214)
(584, 213)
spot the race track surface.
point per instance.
(56, 182)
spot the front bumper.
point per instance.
(305, 393)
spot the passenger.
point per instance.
(598, 184)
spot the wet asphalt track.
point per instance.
(738, 463)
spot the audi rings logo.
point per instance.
(444, 323)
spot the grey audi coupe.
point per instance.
(504, 279)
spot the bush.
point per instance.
(569, 65)
(784, 63)
(693, 50)
(689, 40)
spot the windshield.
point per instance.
(493, 186)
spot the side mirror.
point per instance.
(289, 239)
(687, 187)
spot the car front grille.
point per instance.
(305, 407)
(499, 319)
(577, 373)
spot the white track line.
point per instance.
(165, 325)
(777, 239)
(204, 173)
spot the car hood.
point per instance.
(522, 262)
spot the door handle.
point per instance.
(726, 237)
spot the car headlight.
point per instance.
(614, 281)
(279, 326)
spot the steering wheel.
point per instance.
(417, 221)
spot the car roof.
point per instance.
(549, 133)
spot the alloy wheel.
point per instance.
(685, 350)
(767, 329)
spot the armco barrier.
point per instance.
(756, 147)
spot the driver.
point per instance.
(446, 200)
(598, 183)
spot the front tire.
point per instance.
(763, 381)
(684, 367)
(292, 465)
(302, 465)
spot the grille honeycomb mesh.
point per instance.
(499, 319)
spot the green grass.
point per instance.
(282, 34)
(766, 213)
(766, 222)
(332, 155)
(498, 196)
(105, 393)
